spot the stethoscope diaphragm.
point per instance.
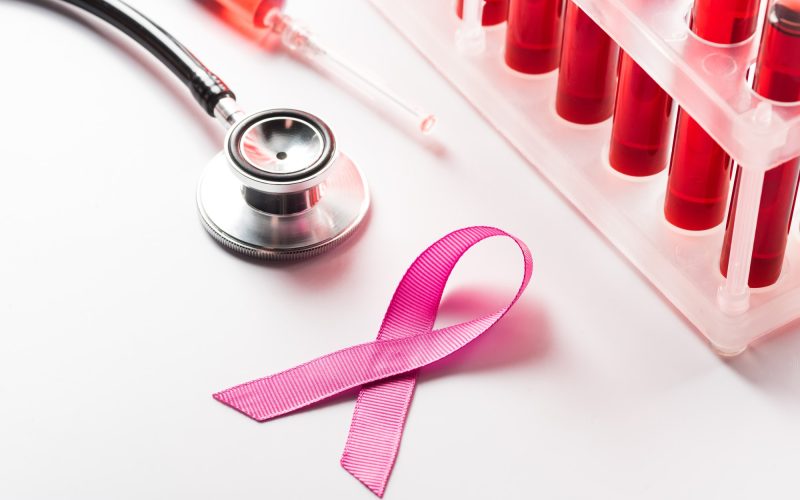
(280, 190)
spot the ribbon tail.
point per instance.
(374, 438)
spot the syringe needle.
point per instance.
(300, 41)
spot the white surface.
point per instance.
(119, 316)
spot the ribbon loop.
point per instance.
(386, 368)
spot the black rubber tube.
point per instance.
(206, 87)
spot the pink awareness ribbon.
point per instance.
(386, 368)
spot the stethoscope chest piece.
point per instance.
(280, 190)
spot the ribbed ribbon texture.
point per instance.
(386, 368)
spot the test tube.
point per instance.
(494, 11)
(266, 16)
(700, 171)
(640, 134)
(777, 77)
(533, 37)
(587, 72)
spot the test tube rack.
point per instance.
(709, 82)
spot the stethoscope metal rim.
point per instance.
(252, 178)
(342, 204)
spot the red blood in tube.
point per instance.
(700, 171)
(699, 178)
(725, 21)
(587, 75)
(640, 134)
(533, 38)
(494, 11)
(777, 77)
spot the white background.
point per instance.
(119, 316)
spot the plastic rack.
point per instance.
(709, 82)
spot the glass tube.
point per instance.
(700, 171)
(640, 134)
(587, 74)
(533, 37)
(777, 77)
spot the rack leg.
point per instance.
(470, 37)
(734, 295)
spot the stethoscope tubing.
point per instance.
(206, 87)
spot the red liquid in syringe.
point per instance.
(246, 16)
(700, 171)
(777, 77)
(533, 37)
(247, 12)
(494, 11)
(640, 133)
(587, 71)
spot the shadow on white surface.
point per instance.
(772, 365)
(521, 337)
(319, 271)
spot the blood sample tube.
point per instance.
(494, 11)
(777, 77)
(587, 73)
(700, 171)
(640, 134)
(533, 38)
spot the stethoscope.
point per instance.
(280, 189)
